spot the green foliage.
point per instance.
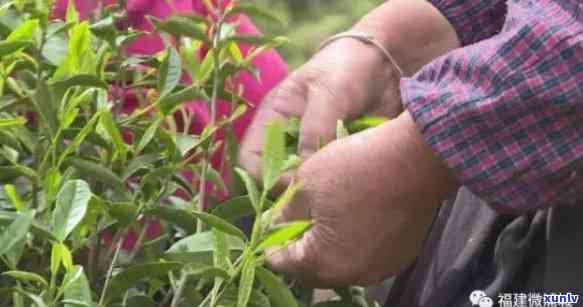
(73, 185)
(309, 22)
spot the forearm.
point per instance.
(414, 31)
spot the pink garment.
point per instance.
(271, 66)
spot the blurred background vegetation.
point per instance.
(308, 22)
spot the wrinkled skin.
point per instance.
(373, 195)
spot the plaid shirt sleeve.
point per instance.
(506, 113)
(473, 20)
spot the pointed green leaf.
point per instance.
(7, 48)
(10, 191)
(199, 248)
(128, 278)
(27, 277)
(170, 72)
(113, 131)
(98, 172)
(71, 207)
(179, 217)
(6, 218)
(220, 224)
(273, 154)
(171, 102)
(251, 189)
(247, 281)
(81, 80)
(16, 231)
(25, 32)
(182, 26)
(364, 123)
(254, 12)
(284, 235)
(279, 293)
(77, 286)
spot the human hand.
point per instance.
(345, 80)
(372, 196)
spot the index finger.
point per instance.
(286, 101)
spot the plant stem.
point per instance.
(139, 242)
(179, 290)
(110, 270)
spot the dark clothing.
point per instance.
(471, 247)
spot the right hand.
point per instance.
(345, 80)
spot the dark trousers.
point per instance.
(471, 247)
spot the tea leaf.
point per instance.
(254, 12)
(148, 135)
(234, 208)
(273, 154)
(231, 295)
(106, 30)
(98, 172)
(81, 80)
(139, 301)
(81, 58)
(114, 133)
(251, 189)
(220, 224)
(170, 72)
(284, 235)
(182, 26)
(7, 48)
(80, 137)
(364, 123)
(212, 175)
(199, 248)
(37, 300)
(10, 191)
(206, 68)
(198, 270)
(77, 286)
(25, 32)
(71, 207)
(9, 173)
(286, 198)
(28, 277)
(60, 254)
(72, 16)
(179, 217)
(222, 253)
(279, 293)
(169, 103)
(142, 162)
(246, 284)
(124, 213)
(9, 140)
(128, 278)
(46, 107)
(6, 218)
(186, 143)
(16, 231)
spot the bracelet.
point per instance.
(367, 39)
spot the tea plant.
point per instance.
(80, 172)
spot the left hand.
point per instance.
(372, 197)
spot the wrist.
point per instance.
(427, 174)
(413, 31)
